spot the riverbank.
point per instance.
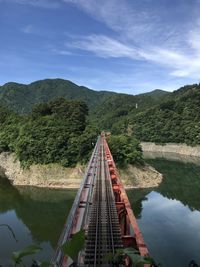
(51, 175)
(181, 149)
(56, 176)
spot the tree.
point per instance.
(125, 149)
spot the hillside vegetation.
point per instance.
(176, 119)
(55, 132)
(21, 98)
(113, 114)
(156, 116)
(58, 132)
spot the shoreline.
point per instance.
(58, 177)
(181, 149)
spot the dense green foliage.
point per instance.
(9, 129)
(176, 119)
(58, 132)
(159, 117)
(114, 112)
(125, 149)
(21, 98)
(156, 116)
(55, 132)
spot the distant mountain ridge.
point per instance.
(156, 116)
(176, 119)
(21, 97)
(157, 93)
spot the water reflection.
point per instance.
(171, 230)
(36, 215)
(172, 157)
(181, 181)
(169, 215)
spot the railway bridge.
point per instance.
(102, 209)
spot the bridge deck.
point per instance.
(101, 208)
(103, 235)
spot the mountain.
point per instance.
(175, 119)
(157, 94)
(156, 116)
(114, 111)
(21, 98)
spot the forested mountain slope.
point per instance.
(54, 132)
(157, 116)
(21, 98)
(176, 119)
(113, 113)
(157, 94)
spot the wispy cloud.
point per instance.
(28, 29)
(104, 46)
(154, 38)
(61, 52)
(36, 3)
(179, 63)
(143, 34)
(130, 19)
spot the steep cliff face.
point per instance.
(182, 149)
(54, 175)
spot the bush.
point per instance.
(125, 149)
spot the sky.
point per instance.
(129, 46)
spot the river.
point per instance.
(168, 216)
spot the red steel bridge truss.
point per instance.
(102, 209)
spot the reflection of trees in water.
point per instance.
(172, 157)
(136, 197)
(44, 211)
(9, 196)
(181, 181)
(44, 219)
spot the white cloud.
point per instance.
(143, 34)
(139, 32)
(180, 64)
(61, 52)
(194, 37)
(28, 29)
(36, 3)
(131, 21)
(104, 46)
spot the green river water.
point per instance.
(168, 216)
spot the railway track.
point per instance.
(103, 234)
(102, 209)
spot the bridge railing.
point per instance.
(72, 222)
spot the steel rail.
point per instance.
(58, 256)
(102, 208)
(97, 213)
(104, 235)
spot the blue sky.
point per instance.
(129, 46)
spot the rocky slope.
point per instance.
(53, 175)
(140, 176)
